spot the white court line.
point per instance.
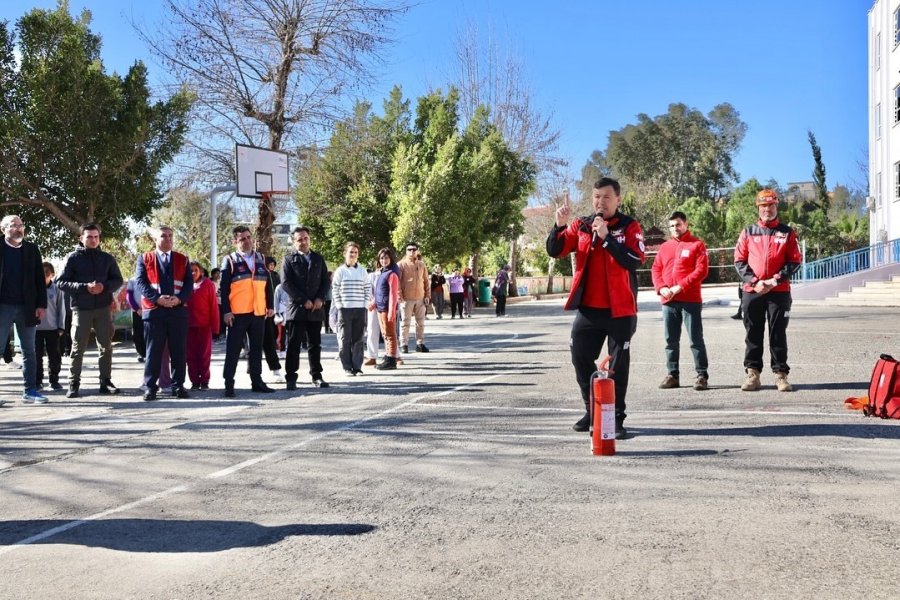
(469, 434)
(233, 469)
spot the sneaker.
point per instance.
(73, 391)
(583, 424)
(737, 316)
(370, 362)
(282, 354)
(621, 432)
(388, 363)
(404, 348)
(34, 397)
(349, 372)
(167, 390)
(320, 383)
(781, 382)
(751, 383)
(108, 387)
(277, 376)
(357, 371)
(702, 383)
(244, 355)
(14, 364)
(422, 348)
(56, 386)
(671, 381)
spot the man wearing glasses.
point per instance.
(23, 298)
(247, 300)
(414, 290)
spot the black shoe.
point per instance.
(621, 432)
(181, 393)
(149, 395)
(583, 424)
(422, 348)
(140, 359)
(262, 388)
(107, 387)
(304, 346)
(320, 383)
(737, 317)
(291, 385)
(56, 385)
(204, 386)
(73, 391)
(229, 390)
(388, 363)
(357, 371)
(349, 372)
(405, 349)
(196, 386)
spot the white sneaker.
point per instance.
(282, 354)
(167, 390)
(14, 364)
(277, 376)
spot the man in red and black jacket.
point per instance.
(766, 256)
(608, 247)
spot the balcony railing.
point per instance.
(876, 255)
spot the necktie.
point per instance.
(165, 260)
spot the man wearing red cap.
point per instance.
(766, 256)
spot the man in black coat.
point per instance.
(90, 277)
(23, 298)
(304, 278)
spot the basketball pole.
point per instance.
(213, 222)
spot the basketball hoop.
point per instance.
(277, 198)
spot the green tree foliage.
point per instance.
(680, 154)
(78, 145)
(707, 221)
(342, 193)
(741, 209)
(818, 173)
(455, 189)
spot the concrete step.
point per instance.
(857, 301)
(874, 291)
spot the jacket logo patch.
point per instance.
(685, 253)
(618, 232)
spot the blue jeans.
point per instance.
(15, 314)
(673, 314)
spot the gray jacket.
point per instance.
(55, 317)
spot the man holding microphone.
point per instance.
(608, 247)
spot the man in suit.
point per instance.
(304, 277)
(23, 298)
(164, 280)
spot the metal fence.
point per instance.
(876, 255)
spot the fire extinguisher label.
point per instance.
(608, 422)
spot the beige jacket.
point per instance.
(414, 280)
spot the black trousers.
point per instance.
(456, 304)
(352, 329)
(252, 327)
(591, 328)
(162, 329)
(297, 332)
(137, 334)
(772, 309)
(47, 341)
(270, 335)
(500, 309)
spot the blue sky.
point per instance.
(787, 66)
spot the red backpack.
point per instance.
(884, 389)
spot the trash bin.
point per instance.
(484, 292)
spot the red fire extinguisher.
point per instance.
(603, 411)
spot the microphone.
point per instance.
(596, 237)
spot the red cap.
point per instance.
(766, 197)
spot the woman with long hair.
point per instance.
(386, 303)
(351, 296)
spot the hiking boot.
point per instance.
(107, 387)
(583, 424)
(751, 384)
(621, 432)
(702, 383)
(671, 381)
(782, 383)
(73, 390)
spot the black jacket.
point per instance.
(302, 282)
(34, 287)
(84, 266)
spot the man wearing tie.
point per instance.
(164, 280)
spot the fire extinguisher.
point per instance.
(603, 411)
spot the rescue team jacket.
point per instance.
(148, 274)
(765, 250)
(682, 262)
(622, 253)
(244, 290)
(83, 266)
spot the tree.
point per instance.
(268, 72)
(818, 173)
(454, 190)
(679, 154)
(78, 145)
(343, 192)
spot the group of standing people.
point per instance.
(462, 289)
(609, 248)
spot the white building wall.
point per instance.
(884, 120)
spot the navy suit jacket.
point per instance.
(167, 287)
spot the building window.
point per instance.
(878, 121)
(878, 189)
(896, 181)
(897, 27)
(877, 51)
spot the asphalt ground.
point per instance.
(458, 476)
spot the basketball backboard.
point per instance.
(260, 170)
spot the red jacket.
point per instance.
(612, 263)
(765, 250)
(203, 311)
(681, 262)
